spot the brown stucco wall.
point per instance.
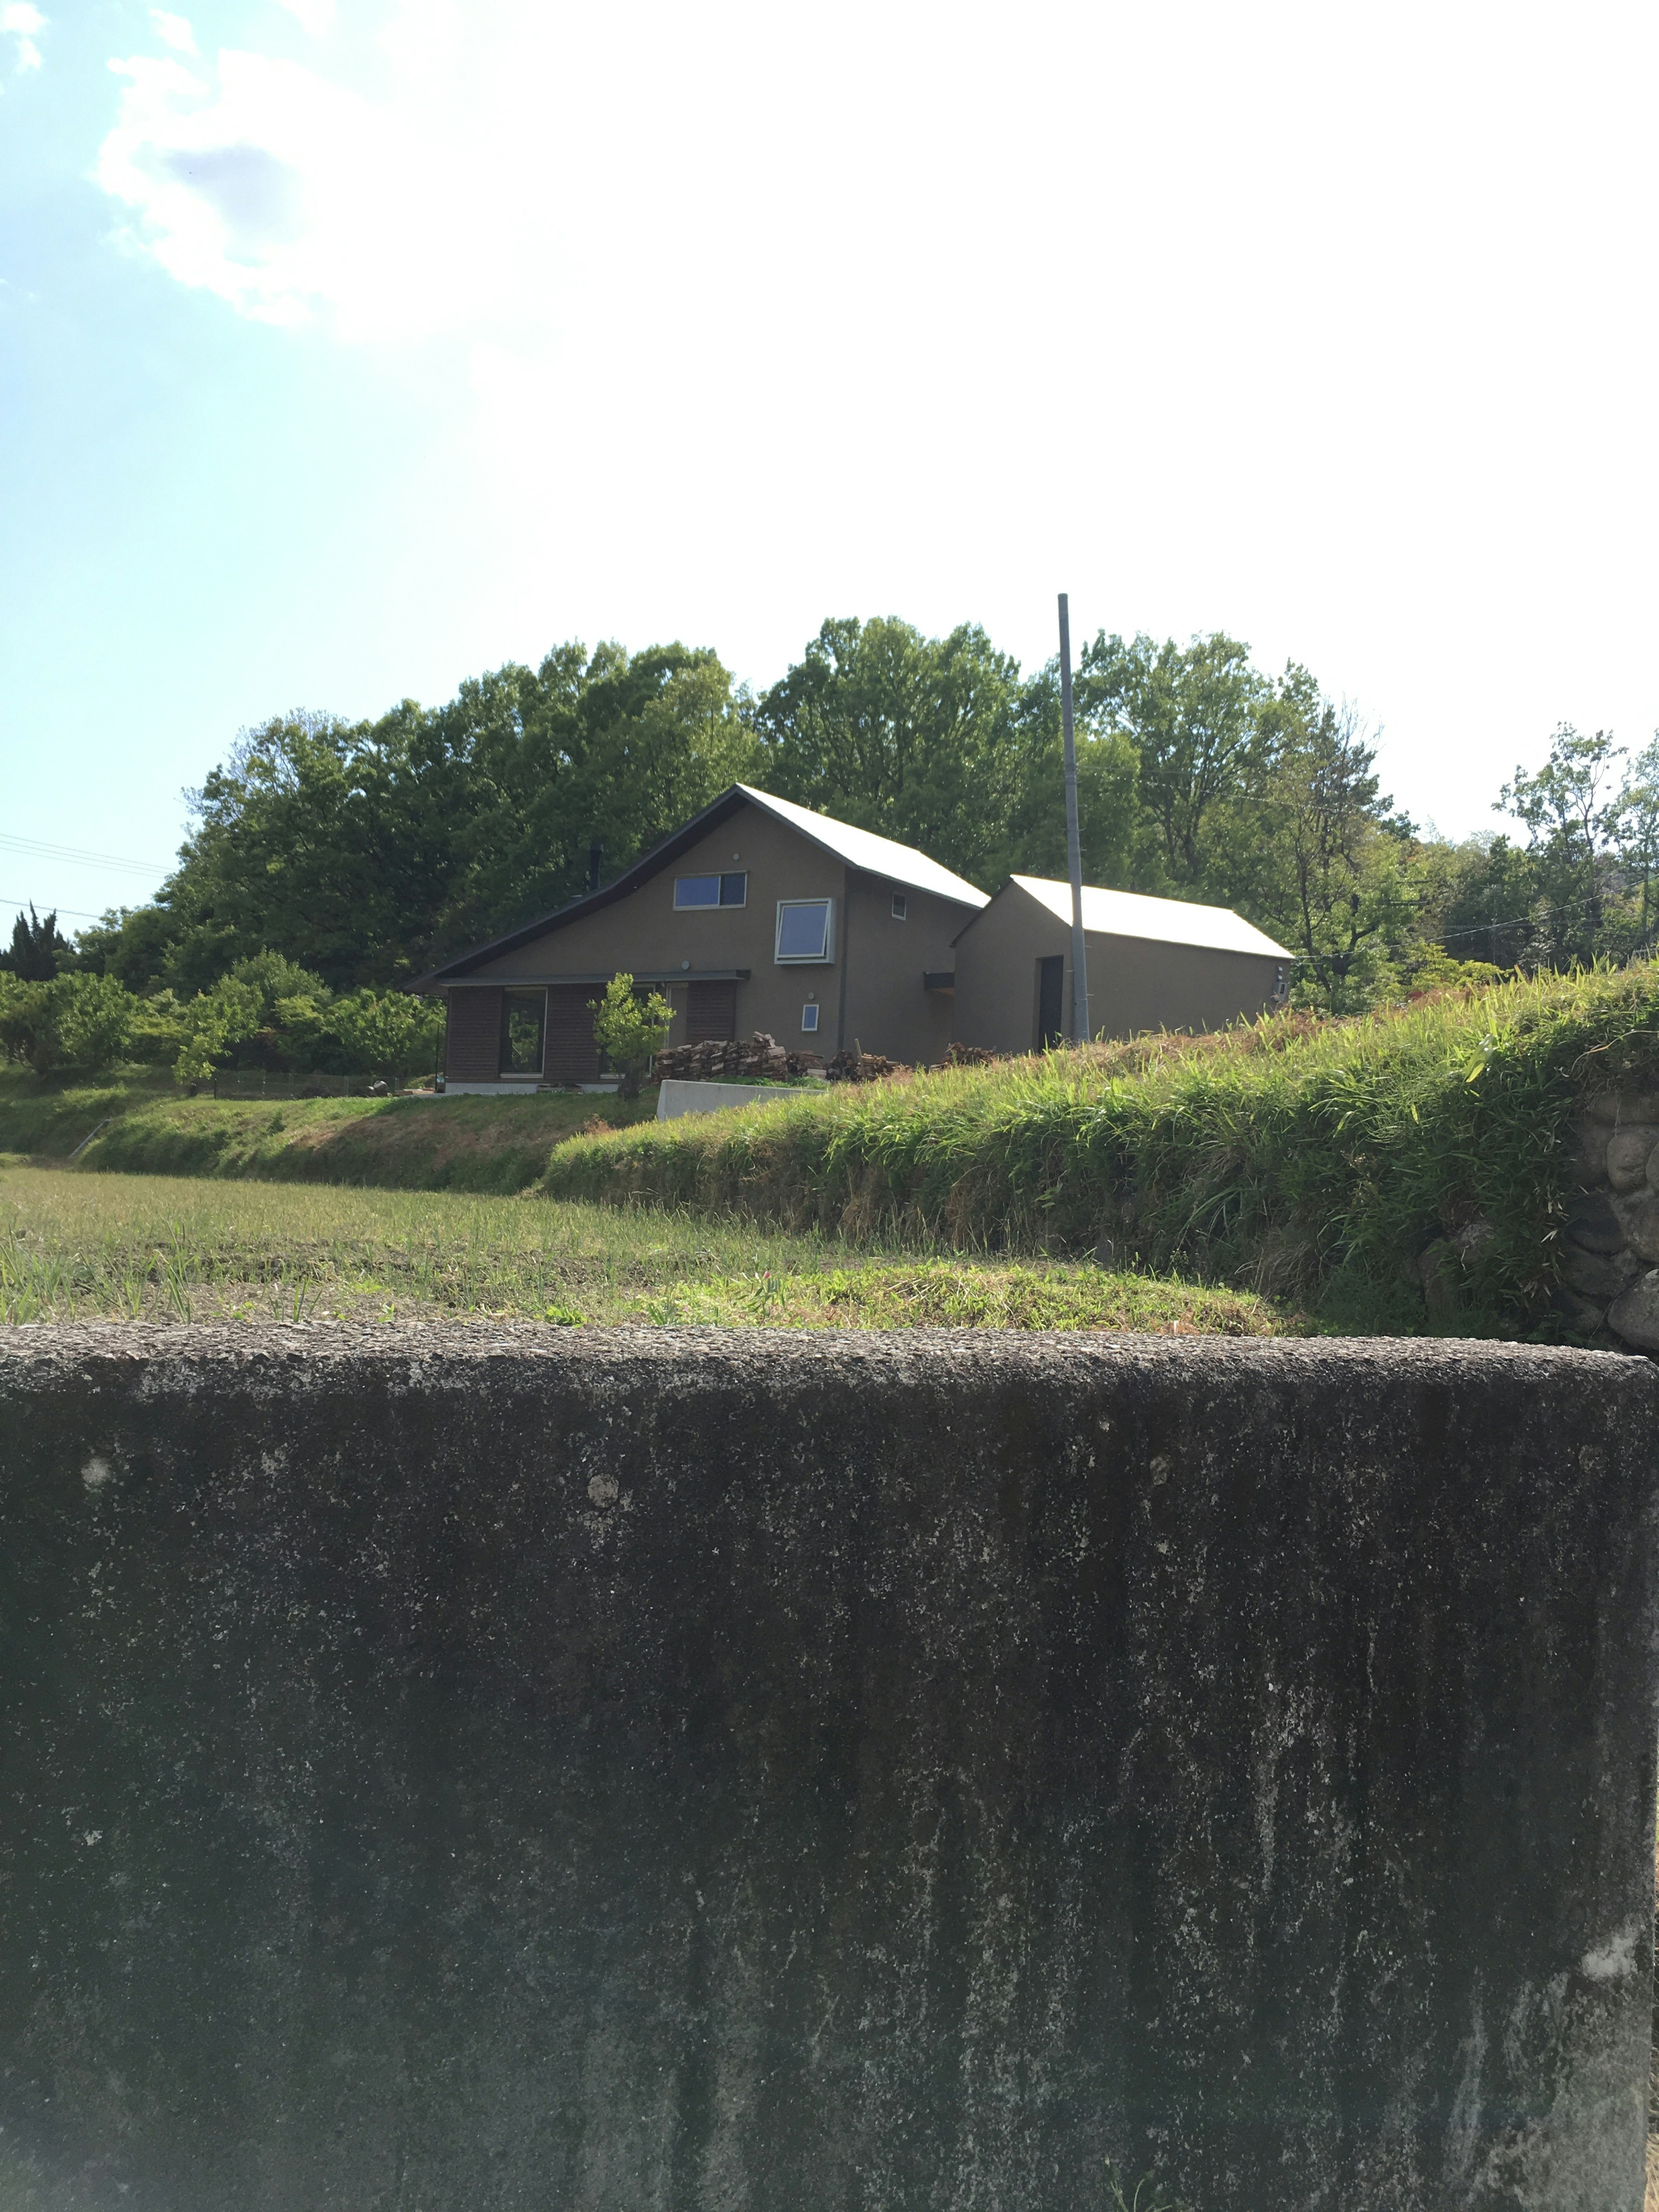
(886, 1006)
(1134, 984)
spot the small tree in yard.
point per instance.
(628, 1027)
(74, 1021)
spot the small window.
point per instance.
(711, 890)
(809, 1018)
(899, 907)
(524, 1015)
(804, 929)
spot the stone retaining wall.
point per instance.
(1611, 1273)
(487, 1770)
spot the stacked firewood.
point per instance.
(757, 1059)
(860, 1067)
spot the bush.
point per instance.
(388, 1033)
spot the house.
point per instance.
(758, 914)
(1154, 964)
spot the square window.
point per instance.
(809, 1018)
(734, 890)
(899, 906)
(804, 929)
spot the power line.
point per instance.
(37, 850)
(33, 905)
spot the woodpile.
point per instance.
(757, 1058)
(860, 1067)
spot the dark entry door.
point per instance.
(711, 1012)
(1051, 1001)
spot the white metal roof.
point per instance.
(1167, 921)
(862, 848)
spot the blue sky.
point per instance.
(350, 347)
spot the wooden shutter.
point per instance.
(472, 1042)
(572, 1055)
(711, 1012)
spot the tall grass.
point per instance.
(1314, 1160)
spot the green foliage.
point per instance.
(73, 1021)
(38, 949)
(628, 1026)
(390, 1034)
(1295, 1157)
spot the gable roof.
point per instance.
(1163, 921)
(857, 848)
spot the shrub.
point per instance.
(628, 1026)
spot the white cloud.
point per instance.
(316, 16)
(23, 23)
(172, 31)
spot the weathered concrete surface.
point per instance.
(456, 1771)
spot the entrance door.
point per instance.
(1051, 1001)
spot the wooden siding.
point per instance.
(711, 1012)
(572, 1056)
(472, 1043)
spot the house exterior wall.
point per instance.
(1134, 984)
(645, 933)
(888, 1010)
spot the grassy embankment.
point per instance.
(1316, 1162)
(113, 1246)
(493, 1144)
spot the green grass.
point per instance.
(1312, 1161)
(77, 1247)
(499, 1145)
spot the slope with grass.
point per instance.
(76, 1247)
(411, 1144)
(1316, 1161)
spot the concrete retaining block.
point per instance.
(478, 1770)
(677, 1095)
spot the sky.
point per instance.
(349, 348)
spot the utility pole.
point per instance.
(1080, 1029)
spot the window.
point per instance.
(809, 1018)
(899, 906)
(804, 929)
(711, 890)
(524, 1015)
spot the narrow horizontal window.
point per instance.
(711, 890)
(900, 907)
(809, 1018)
(804, 929)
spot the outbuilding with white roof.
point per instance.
(1153, 963)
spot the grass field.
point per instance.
(79, 1246)
(1318, 1161)
(496, 1145)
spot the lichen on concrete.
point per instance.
(503, 1768)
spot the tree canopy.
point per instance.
(363, 853)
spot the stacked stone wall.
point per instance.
(1610, 1274)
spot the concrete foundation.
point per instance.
(481, 1770)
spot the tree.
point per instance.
(73, 1020)
(628, 1026)
(1572, 811)
(1194, 716)
(38, 948)
(1344, 899)
(915, 737)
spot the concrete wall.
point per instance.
(647, 934)
(1134, 984)
(493, 1770)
